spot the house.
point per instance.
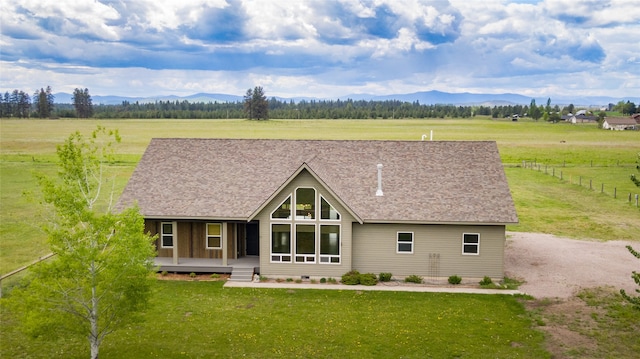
(620, 123)
(315, 208)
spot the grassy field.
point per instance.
(203, 320)
(544, 203)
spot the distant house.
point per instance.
(299, 208)
(620, 123)
(580, 117)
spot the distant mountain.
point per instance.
(425, 98)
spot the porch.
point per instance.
(206, 265)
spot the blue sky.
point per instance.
(321, 48)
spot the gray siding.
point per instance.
(295, 270)
(437, 251)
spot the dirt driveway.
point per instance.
(553, 266)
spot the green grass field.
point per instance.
(203, 320)
(544, 204)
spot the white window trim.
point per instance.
(173, 234)
(329, 257)
(398, 243)
(207, 235)
(471, 244)
(280, 255)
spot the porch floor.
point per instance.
(206, 265)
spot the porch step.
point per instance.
(241, 274)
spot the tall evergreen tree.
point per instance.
(256, 105)
(82, 103)
(43, 102)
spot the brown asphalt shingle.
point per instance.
(422, 181)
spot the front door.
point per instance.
(253, 241)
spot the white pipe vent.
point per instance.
(379, 191)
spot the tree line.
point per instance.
(255, 105)
(42, 105)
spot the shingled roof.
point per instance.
(422, 181)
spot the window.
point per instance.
(327, 211)
(405, 242)
(471, 243)
(284, 211)
(214, 236)
(305, 203)
(330, 244)
(166, 234)
(306, 243)
(281, 243)
(305, 228)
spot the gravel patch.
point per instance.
(557, 267)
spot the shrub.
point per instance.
(289, 279)
(298, 280)
(332, 280)
(279, 280)
(384, 277)
(323, 280)
(486, 281)
(351, 278)
(413, 279)
(313, 281)
(215, 276)
(192, 275)
(164, 273)
(455, 279)
(264, 278)
(368, 279)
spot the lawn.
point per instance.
(204, 320)
(200, 319)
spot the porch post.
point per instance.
(224, 244)
(175, 242)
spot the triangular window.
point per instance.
(283, 211)
(327, 211)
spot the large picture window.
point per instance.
(166, 234)
(330, 244)
(305, 243)
(471, 243)
(305, 203)
(305, 228)
(214, 236)
(405, 242)
(281, 243)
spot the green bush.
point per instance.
(192, 275)
(164, 273)
(323, 280)
(215, 275)
(332, 280)
(413, 279)
(384, 277)
(486, 281)
(351, 278)
(368, 279)
(455, 279)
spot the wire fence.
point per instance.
(14, 272)
(583, 181)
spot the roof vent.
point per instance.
(379, 191)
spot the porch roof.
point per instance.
(422, 181)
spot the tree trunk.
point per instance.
(94, 336)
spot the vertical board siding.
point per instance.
(305, 179)
(437, 250)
